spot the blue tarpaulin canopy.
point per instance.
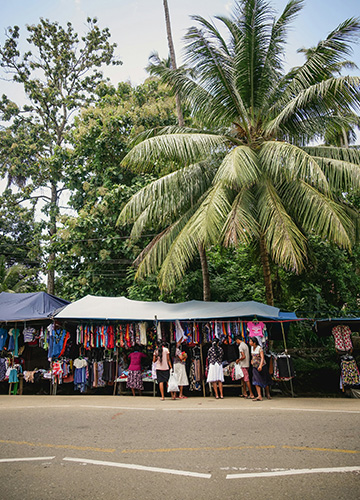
(28, 306)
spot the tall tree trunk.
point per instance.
(173, 61)
(202, 251)
(266, 271)
(205, 273)
(52, 232)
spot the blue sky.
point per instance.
(138, 26)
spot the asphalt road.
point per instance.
(120, 447)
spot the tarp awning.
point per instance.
(121, 308)
(324, 326)
(28, 306)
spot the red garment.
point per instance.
(342, 336)
(111, 338)
(66, 338)
(135, 360)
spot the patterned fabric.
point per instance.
(215, 357)
(134, 380)
(342, 336)
(3, 368)
(350, 372)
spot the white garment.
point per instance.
(158, 331)
(215, 373)
(80, 363)
(180, 374)
(142, 328)
(178, 331)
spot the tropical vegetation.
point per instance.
(254, 170)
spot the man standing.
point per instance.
(244, 362)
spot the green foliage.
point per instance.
(263, 185)
(94, 255)
(59, 74)
(20, 252)
(329, 286)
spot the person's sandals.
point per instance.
(257, 399)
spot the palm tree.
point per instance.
(249, 173)
(157, 67)
(172, 59)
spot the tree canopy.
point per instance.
(256, 177)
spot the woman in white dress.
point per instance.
(215, 373)
(180, 369)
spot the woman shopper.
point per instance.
(163, 366)
(260, 374)
(134, 380)
(216, 374)
(180, 369)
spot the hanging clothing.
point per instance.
(142, 327)
(3, 368)
(3, 338)
(14, 341)
(349, 371)
(342, 337)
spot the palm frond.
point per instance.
(342, 175)
(351, 155)
(153, 256)
(282, 160)
(284, 240)
(207, 51)
(183, 149)
(274, 56)
(318, 214)
(241, 225)
(203, 227)
(321, 97)
(171, 192)
(239, 168)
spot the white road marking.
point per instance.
(27, 459)
(139, 467)
(33, 406)
(118, 407)
(293, 472)
(315, 409)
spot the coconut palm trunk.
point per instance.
(173, 61)
(265, 262)
(180, 116)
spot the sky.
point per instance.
(138, 26)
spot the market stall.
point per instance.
(24, 318)
(106, 328)
(345, 331)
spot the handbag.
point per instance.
(172, 383)
(256, 360)
(238, 373)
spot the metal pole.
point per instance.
(287, 359)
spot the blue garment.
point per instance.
(56, 342)
(80, 379)
(14, 341)
(3, 337)
(13, 377)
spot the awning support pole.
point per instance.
(287, 359)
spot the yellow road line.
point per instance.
(308, 448)
(59, 446)
(205, 448)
